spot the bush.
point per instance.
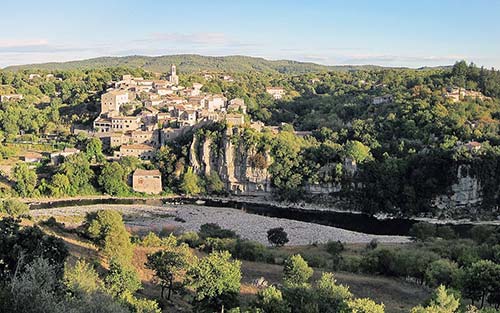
(251, 251)
(191, 238)
(220, 244)
(446, 232)
(151, 240)
(296, 271)
(215, 231)
(350, 263)
(277, 236)
(334, 247)
(121, 278)
(315, 260)
(423, 231)
(373, 244)
(270, 299)
(14, 207)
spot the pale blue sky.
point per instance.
(382, 32)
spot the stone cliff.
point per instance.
(465, 195)
(244, 171)
(234, 161)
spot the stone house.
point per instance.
(382, 99)
(125, 123)
(237, 104)
(11, 97)
(141, 151)
(215, 102)
(276, 92)
(235, 119)
(147, 181)
(112, 101)
(32, 157)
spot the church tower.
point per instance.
(173, 78)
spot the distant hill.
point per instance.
(189, 63)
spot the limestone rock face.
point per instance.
(465, 194)
(233, 163)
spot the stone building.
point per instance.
(276, 92)
(141, 151)
(112, 101)
(147, 181)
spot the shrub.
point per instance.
(270, 299)
(191, 238)
(14, 207)
(151, 240)
(220, 244)
(373, 244)
(215, 231)
(277, 236)
(296, 271)
(334, 247)
(315, 260)
(423, 231)
(250, 250)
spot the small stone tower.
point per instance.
(173, 78)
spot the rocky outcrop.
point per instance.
(464, 195)
(233, 160)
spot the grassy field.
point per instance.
(397, 295)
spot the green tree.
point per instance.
(107, 229)
(13, 207)
(214, 183)
(25, 178)
(112, 179)
(20, 246)
(357, 151)
(442, 302)
(365, 305)
(296, 271)
(480, 280)
(441, 272)
(332, 298)
(82, 278)
(277, 236)
(190, 184)
(93, 150)
(60, 185)
(215, 280)
(121, 278)
(167, 263)
(77, 169)
(270, 300)
(423, 231)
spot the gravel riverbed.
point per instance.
(249, 226)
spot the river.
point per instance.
(358, 222)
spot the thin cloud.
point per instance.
(16, 43)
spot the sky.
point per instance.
(381, 32)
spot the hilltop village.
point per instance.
(137, 115)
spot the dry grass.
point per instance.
(397, 295)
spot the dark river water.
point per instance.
(352, 221)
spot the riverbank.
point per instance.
(188, 217)
(240, 200)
